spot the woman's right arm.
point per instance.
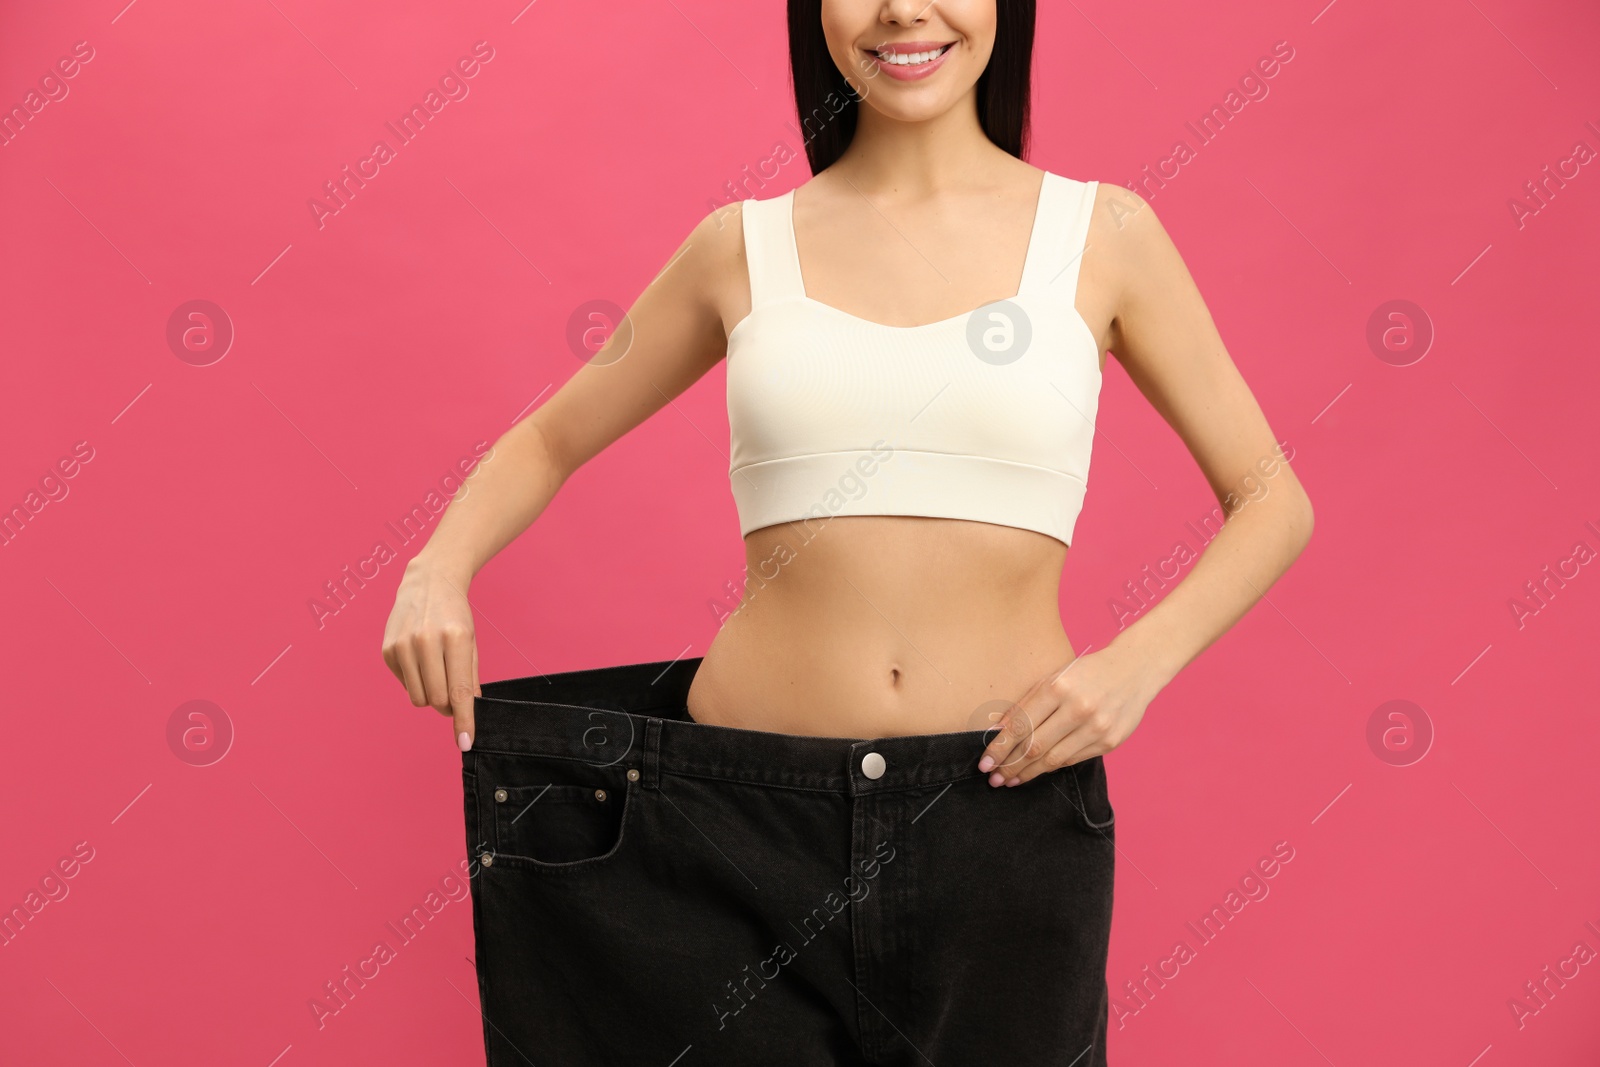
(673, 334)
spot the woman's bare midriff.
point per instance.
(883, 626)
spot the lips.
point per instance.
(910, 61)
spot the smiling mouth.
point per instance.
(909, 59)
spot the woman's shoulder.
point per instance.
(1116, 211)
(714, 248)
(1121, 218)
(1080, 180)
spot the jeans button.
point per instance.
(599, 794)
(873, 765)
(499, 796)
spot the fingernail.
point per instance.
(1014, 781)
(464, 741)
(986, 764)
(997, 779)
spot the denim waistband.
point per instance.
(636, 715)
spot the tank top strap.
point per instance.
(1060, 235)
(770, 252)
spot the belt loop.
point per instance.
(652, 753)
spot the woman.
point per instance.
(871, 824)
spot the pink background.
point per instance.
(373, 352)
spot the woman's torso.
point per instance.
(883, 625)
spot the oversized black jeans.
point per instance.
(648, 890)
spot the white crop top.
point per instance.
(988, 415)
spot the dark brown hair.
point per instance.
(828, 107)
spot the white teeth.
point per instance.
(910, 59)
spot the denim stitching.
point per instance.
(1083, 806)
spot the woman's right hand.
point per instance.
(430, 643)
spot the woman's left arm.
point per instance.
(1163, 335)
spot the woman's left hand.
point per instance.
(1085, 709)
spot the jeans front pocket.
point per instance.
(1088, 793)
(555, 814)
(556, 823)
